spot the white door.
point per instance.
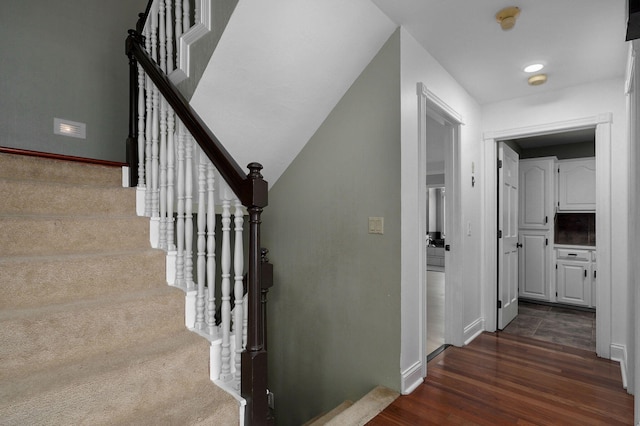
(508, 235)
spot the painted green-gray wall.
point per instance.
(65, 59)
(334, 311)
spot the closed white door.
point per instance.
(508, 235)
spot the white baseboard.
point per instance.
(154, 232)
(125, 176)
(619, 353)
(190, 309)
(473, 330)
(170, 267)
(411, 378)
(140, 202)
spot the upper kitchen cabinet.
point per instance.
(577, 185)
(537, 193)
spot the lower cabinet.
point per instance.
(575, 279)
(535, 260)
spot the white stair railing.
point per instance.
(174, 175)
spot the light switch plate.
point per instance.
(376, 225)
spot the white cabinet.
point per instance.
(575, 277)
(537, 193)
(577, 185)
(535, 227)
(535, 260)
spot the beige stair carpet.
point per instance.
(91, 333)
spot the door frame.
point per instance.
(430, 104)
(602, 124)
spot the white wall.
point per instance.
(575, 103)
(417, 65)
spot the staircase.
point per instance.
(90, 331)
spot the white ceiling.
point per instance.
(578, 40)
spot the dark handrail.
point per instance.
(210, 144)
(251, 189)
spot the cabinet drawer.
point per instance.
(568, 254)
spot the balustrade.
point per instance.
(176, 175)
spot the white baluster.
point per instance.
(182, 140)
(238, 269)
(155, 211)
(178, 9)
(202, 221)
(141, 127)
(170, 178)
(169, 30)
(163, 174)
(186, 18)
(188, 220)
(147, 132)
(162, 37)
(211, 251)
(226, 291)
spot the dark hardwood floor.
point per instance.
(508, 379)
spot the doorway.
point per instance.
(439, 135)
(439, 174)
(602, 126)
(554, 248)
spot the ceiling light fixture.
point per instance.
(507, 17)
(537, 80)
(533, 68)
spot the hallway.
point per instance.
(507, 379)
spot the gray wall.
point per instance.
(334, 312)
(65, 59)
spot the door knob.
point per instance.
(518, 245)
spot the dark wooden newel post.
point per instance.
(132, 138)
(254, 358)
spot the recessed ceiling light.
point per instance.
(533, 68)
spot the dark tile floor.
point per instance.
(555, 324)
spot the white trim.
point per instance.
(170, 267)
(428, 104)
(195, 33)
(619, 353)
(140, 201)
(190, 309)
(439, 104)
(629, 74)
(154, 232)
(412, 378)
(125, 176)
(473, 330)
(602, 124)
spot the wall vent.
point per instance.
(69, 128)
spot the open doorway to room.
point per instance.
(439, 134)
(556, 238)
(562, 268)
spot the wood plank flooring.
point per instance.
(507, 379)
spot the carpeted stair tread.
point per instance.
(22, 236)
(28, 282)
(91, 334)
(366, 408)
(64, 199)
(48, 170)
(122, 387)
(45, 337)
